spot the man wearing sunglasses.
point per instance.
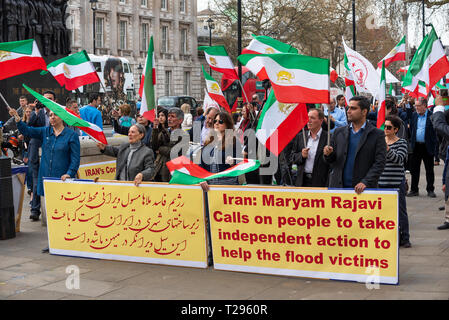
(357, 152)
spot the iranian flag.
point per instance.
(333, 74)
(267, 45)
(420, 90)
(218, 59)
(146, 89)
(349, 82)
(279, 123)
(73, 71)
(184, 171)
(429, 65)
(214, 91)
(382, 94)
(403, 69)
(19, 57)
(396, 54)
(294, 78)
(70, 117)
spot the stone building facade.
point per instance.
(124, 27)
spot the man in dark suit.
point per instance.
(312, 170)
(357, 153)
(423, 142)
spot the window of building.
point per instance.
(123, 25)
(143, 3)
(183, 41)
(99, 34)
(167, 83)
(122, 1)
(164, 46)
(144, 36)
(187, 83)
(164, 4)
(182, 6)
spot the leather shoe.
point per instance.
(46, 250)
(442, 208)
(406, 244)
(431, 194)
(413, 194)
(34, 217)
(444, 226)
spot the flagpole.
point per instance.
(243, 90)
(304, 136)
(4, 100)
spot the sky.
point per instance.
(201, 4)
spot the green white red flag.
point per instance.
(349, 82)
(214, 91)
(184, 171)
(19, 57)
(218, 59)
(429, 64)
(70, 117)
(381, 99)
(73, 71)
(279, 123)
(267, 45)
(294, 78)
(147, 89)
(333, 74)
(396, 54)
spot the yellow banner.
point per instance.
(152, 223)
(100, 170)
(329, 234)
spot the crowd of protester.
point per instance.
(340, 147)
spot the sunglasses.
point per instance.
(389, 127)
(219, 121)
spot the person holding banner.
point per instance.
(135, 161)
(393, 176)
(160, 137)
(60, 151)
(357, 153)
(312, 170)
(219, 146)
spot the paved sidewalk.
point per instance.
(26, 273)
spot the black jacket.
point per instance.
(430, 137)
(320, 173)
(369, 160)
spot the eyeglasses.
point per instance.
(219, 121)
(389, 127)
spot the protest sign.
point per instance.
(317, 233)
(101, 170)
(152, 223)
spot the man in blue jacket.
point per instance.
(91, 113)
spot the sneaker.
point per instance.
(431, 194)
(413, 194)
(444, 226)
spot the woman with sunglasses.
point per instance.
(219, 146)
(394, 172)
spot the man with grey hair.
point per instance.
(423, 142)
(169, 148)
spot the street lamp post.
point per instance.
(211, 26)
(423, 20)
(140, 69)
(93, 6)
(354, 39)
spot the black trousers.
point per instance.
(420, 154)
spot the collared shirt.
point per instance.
(339, 116)
(352, 128)
(204, 133)
(421, 128)
(312, 144)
